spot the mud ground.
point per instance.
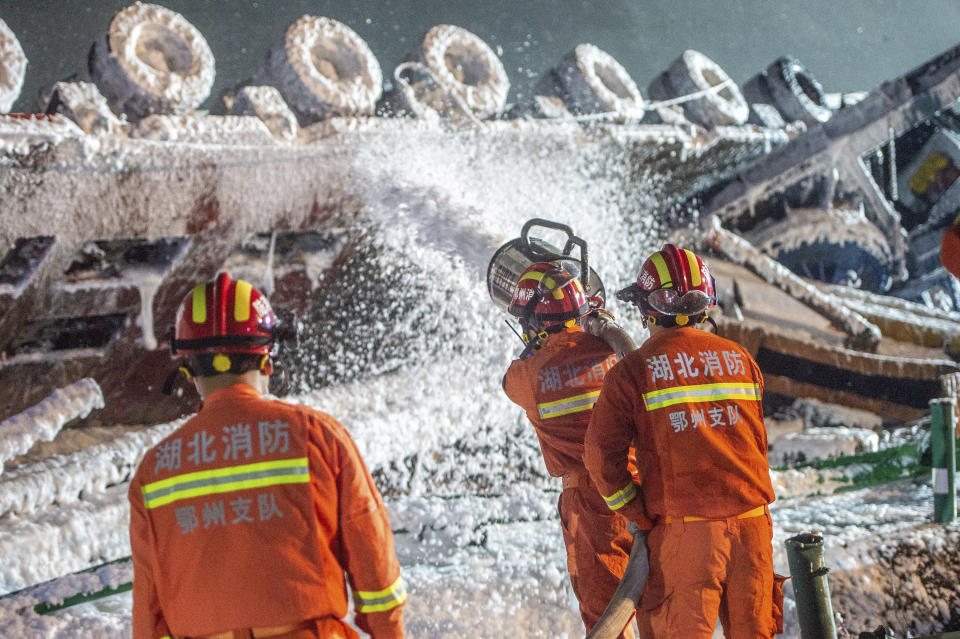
(912, 587)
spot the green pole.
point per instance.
(810, 588)
(72, 592)
(87, 597)
(943, 446)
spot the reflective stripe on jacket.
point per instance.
(247, 517)
(692, 400)
(558, 386)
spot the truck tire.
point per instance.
(835, 246)
(589, 80)
(82, 103)
(693, 73)
(152, 61)
(796, 93)
(756, 90)
(323, 68)
(466, 67)
(266, 103)
(13, 66)
(415, 94)
(659, 90)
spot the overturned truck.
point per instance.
(856, 205)
(119, 195)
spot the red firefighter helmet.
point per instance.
(549, 294)
(673, 282)
(224, 316)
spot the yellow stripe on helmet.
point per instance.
(662, 271)
(548, 282)
(694, 268)
(199, 303)
(241, 301)
(553, 288)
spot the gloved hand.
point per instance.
(602, 313)
(635, 513)
(596, 305)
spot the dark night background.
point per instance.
(848, 45)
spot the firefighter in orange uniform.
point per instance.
(243, 521)
(691, 400)
(950, 248)
(556, 381)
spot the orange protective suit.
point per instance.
(247, 517)
(691, 401)
(557, 386)
(950, 248)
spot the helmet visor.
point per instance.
(670, 302)
(556, 278)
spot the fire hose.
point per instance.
(623, 603)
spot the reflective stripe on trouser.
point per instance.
(225, 480)
(622, 497)
(598, 546)
(568, 405)
(705, 570)
(697, 393)
(368, 601)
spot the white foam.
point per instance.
(43, 421)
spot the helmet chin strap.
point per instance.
(266, 364)
(534, 336)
